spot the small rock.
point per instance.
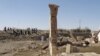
(44, 52)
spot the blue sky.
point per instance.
(36, 13)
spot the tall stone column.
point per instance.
(53, 30)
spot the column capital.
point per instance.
(53, 9)
(53, 6)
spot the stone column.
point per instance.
(53, 30)
(68, 47)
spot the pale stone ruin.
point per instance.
(98, 36)
(53, 30)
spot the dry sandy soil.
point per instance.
(30, 48)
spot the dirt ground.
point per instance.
(34, 48)
(10, 48)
